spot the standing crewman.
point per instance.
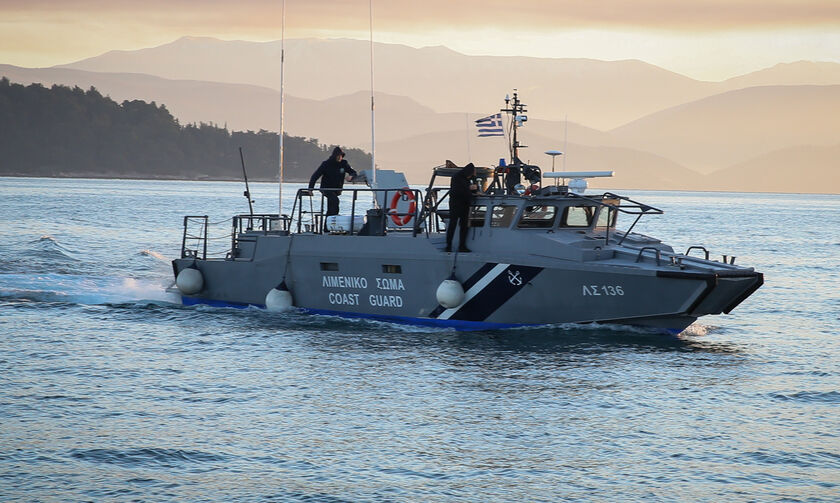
(332, 173)
(461, 189)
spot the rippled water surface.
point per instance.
(113, 392)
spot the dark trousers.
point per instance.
(332, 203)
(458, 215)
(332, 206)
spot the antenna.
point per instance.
(282, 109)
(565, 138)
(247, 193)
(553, 154)
(372, 106)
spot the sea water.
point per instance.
(111, 391)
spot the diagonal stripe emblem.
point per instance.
(472, 280)
(488, 292)
(475, 289)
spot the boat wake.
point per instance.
(86, 290)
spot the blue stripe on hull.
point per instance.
(425, 322)
(406, 320)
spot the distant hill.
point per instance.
(798, 73)
(340, 120)
(669, 148)
(736, 126)
(633, 168)
(803, 169)
(600, 94)
(63, 131)
(240, 106)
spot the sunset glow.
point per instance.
(712, 41)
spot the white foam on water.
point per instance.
(88, 290)
(697, 329)
(154, 254)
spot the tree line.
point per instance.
(64, 131)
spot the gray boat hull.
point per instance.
(395, 277)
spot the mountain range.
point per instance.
(654, 128)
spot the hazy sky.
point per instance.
(707, 39)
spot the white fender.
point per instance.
(450, 293)
(278, 299)
(190, 281)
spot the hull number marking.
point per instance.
(606, 290)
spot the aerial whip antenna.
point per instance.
(282, 106)
(565, 141)
(247, 193)
(372, 106)
(467, 124)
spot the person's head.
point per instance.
(469, 170)
(338, 154)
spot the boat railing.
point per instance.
(309, 215)
(194, 238)
(200, 242)
(625, 205)
(431, 211)
(655, 250)
(701, 248)
(244, 226)
(264, 222)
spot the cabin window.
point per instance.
(607, 214)
(391, 269)
(606, 218)
(477, 214)
(329, 266)
(578, 216)
(538, 217)
(503, 216)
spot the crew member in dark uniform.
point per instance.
(332, 173)
(513, 177)
(461, 188)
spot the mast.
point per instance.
(282, 107)
(372, 105)
(516, 109)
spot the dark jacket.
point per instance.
(331, 173)
(459, 187)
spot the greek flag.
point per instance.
(490, 126)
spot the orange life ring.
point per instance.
(402, 220)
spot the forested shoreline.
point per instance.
(69, 132)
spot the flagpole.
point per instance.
(282, 107)
(467, 125)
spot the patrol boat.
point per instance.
(541, 253)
